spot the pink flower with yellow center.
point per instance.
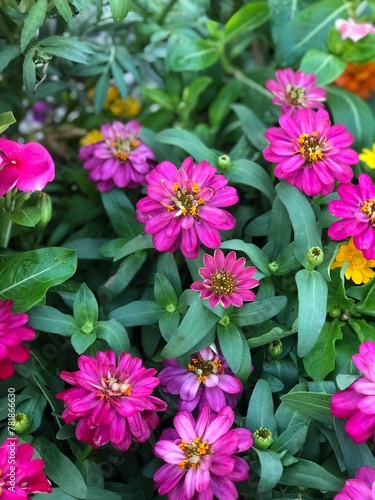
(201, 457)
(295, 90)
(310, 153)
(226, 280)
(111, 400)
(183, 207)
(357, 212)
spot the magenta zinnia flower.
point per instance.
(310, 154)
(206, 378)
(360, 488)
(200, 456)
(28, 167)
(181, 208)
(121, 159)
(12, 333)
(357, 402)
(225, 280)
(357, 211)
(294, 90)
(112, 400)
(20, 474)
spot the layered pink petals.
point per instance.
(183, 207)
(226, 280)
(121, 159)
(112, 400)
(356, 209)
(360, 488)
(206, 379)
(349, 29)
(200, 458)
(28, 167)
(295, 90)
(310, 153)
(20, 475)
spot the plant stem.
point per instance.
(5, 232)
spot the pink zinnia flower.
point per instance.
(181, 208)
(121, 159)
(12, 333)
(226, 280)
(352, 30)
(200, 456)
(357, 211)
(112, 400)
(360, 488)
(357, 402)
(294, 90)
(28, 167)
(20, 474)
(206, 378)
(309, 152)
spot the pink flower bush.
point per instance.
(121, 159)
(348, 28)
(201, 462)
(294, 90)
(360, 488)
(12, 333)
(111, 400)
(357, 402)
(357, 211)
(28, 167)
(206, 378)
(182, 207)
(226, 281)
(20, 474)
(310, 153)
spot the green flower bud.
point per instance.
(225, 320)
(224, 161)
(88, 328)
(335, 312)
(273, 266)
(21, 423)
(275, 348)
(171, 308)
(314, 257)
(262, 438)
(45, 205)
(345, 315)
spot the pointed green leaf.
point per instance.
(140, 312)
(51, 320)
(326, 67)
(311, 475)
(246, 19)
(252, 126)
(164, 292)
(258, 311)
(271, 469)
(25, 216)
(114, 334)
(315, 406)
(260, 412)
(120, 9)
(6, 119)
(85, 306)
(64, 9)
(33, 22)
(188, 142)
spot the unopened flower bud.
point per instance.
(45, 205)
(88, 328)
(314, 257)
(262, 438)
(21, 423)
(224, 161)
(225, 320)
(273, 266)
(171, 308)
(275, 348)
(335, 312)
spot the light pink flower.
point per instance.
(226, 280)
(182, 207)
(13, 333)
(20, 474)
(360, 488)
(348, 28)
(357, 211)
(309, 152)
(112, 400)
(206, 378)
(357, 402)
(201, 462)
(294, 90)
(121, 159)
(28, 167)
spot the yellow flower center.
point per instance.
(114, 387)
(368, 208)
(121, 148)
(194, 452)
(204, 368)
(185, 201)
(223, 283)
(310, 147)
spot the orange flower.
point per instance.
(358, 78)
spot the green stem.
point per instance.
(86, 452)
(250, 83)
(5, 232)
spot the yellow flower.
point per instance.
(368, 156)
(112, 94)
(125, 107)
(92, 137)
(358, 267)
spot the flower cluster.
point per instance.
(360, 488)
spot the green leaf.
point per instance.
(64, 9)
(114, 334)
(291, 440)
(34, 406)
(321, 359)
(140, 312)
(326, 67)
(129, 267)
(120, 9)
(60, 469)
(51, 320)
(275, 333)
(312, 405)
(252, 126)
(33, 22)
(118, 75)
(353, 112)
(7, 54)
(168, 324)
(246, 19)
(29, 77)
(257, 257)
(249, 173)
(67, 48)
(25, 216)
(191, 93)
(260, 412)
(311, 475)
(231, 344)
(81, 342)
(312, 306)
(271, 469)
(6, 119)
(85, 306)
(188, 142)
(280, 228)
(256, 312)
(166, 265)
(101, 90)
(220, 106)
(165, 99)
(187, 54)
(26, 277)
(121, 213)
(190, 331)
(164, 292)
(302, 218)
(140, 242)
(363, 330)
